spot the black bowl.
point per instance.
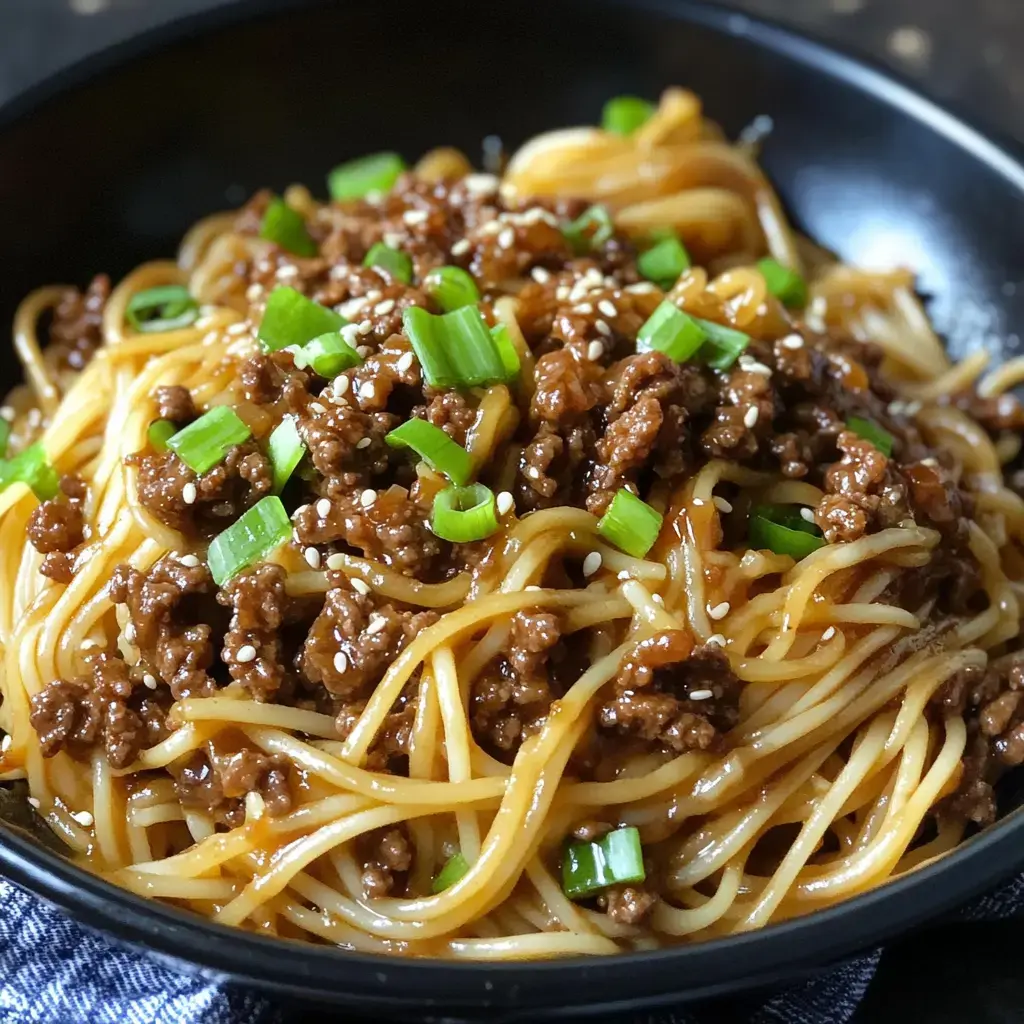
(107, 165)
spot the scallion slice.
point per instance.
(668, 329)
(328, 355)
(624, 114)
(261, 529)
(168, 307)
(665, 261)
(286, 449)
(723, 346)
(451, 288)
(204, 443)
(286, 228)
(506, 351)
(463, 514)
(377, 172)
(590, 230)
(435, 447)
(31, 467)
(630, 524)
(395, 263)
(615, 859)
(291, 319)
(455, 350)
(871, 431)
(785, 284)
(455, 867)
(781, 528)
(159, 433)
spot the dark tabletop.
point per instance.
(965, 53)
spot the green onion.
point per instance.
(394, 262)
(159, 433)
(327, 355)
(31, 467)
(871, 431)
(451, 288)
(252, 537)
(168, 307)
(455, 867)
(463, 514)
(204, 443)
(624, 114)
(285, 227)
(435, 447)
(781, 528)
(630, 524)
(456, 349)
(286, 449)
(785, 284)
(664, 261)
(614, 859)
(377, 172)
(292, 319)
(5, 436)
(506, 351)
(723, 345)
(590, 230)
(670, 330)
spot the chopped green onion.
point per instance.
(456, 349)
(5, 436)
(204, 443)
(781, 528)
(624, 114)
(507, 351)
(327, 355)
(286, 449)
(31, 467)
(396, 263)
(252, 537)
(167, 307)
(435, 447)
(451, 288)
(614, 859)
(665, 261)
(292, 319)
(285, 227)
(590, 230)
(630, 524)
(463, 514)
(871, 431)
(723, 345)
(455, 867)
(785, 284)
(159, 433)
(377, 172)
(670, 330)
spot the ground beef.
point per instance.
(743, 417)
(174, 403)
(273, 380)
(55, 526)
(628, 904)
(346, 445)
(77, 327)
(387, 857)
(853, 485)
(450, 411)
(58, 567)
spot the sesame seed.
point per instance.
(480, 184)
(340, 662)
(461, 247)
(367, 392)
(341, 385)
(701, 694)
(336, 562)
(129, 633)
(405, 363)
(240, 328)
(505, 503)
(385, 307)
(364, 442)
(393, 240)
(360, 586)
(540, 275)
(603, 328)
(913, 408)
(585, 308)
(33, 802)
(189, 561)
(5, 744)
(897, 408)
(562, 293)
(245, 654)
(312, 557)
(84, 818)
(792, 342)
(750, 416)
(349, 334)
(376, 624)
(492, 227)
(533, 472)
(6, 413)
(719, 611)
(751, 365)
(532, 586)
(722, 505)
(317, 407)
(507, 238)
(368, 497)
(412, 217)
(930, 462)
(323, 507)
(365, 326)
(364, 351)
(643, 288)
(608, 308)
(286, 273)
(594, 276)
(373, 295)
(698, 502)
(594, 351)
(807, 515)
(717, 638)
(189, 494)
(591, 563)
(829, 633)
(149, 681)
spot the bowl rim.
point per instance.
(506, 991)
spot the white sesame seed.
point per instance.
(492, 227)
(364, 351)
(340, 662)
(507, 238)
(829, 633)
(719, 611)
(385, 307)
(129, 633)
(5, 744)
(603, 328)
(245, 654)
(367, 392)
(562, 293)
(364, 442)
(930, 462)
(897, 408)
(585, 308)
(643, 288)
(189, 561)
(376, 624)
(505, 503)
(6, 413)
(373, 295)
(412, 217)
(393, 240)
(594, 276)
(540, 275)
(189, 494)
(717, 638)
(405, 362)
(461, 247)
(149, 681)
(368, 497)
(317, 407)
(608, 308)
(312, 557)
(365, 326)
(323, 508)
(336, 562)
(240, 328)
(533, 472)
(792, 342)
(807, 515)
(592, 563)
(751, 365)
(480, 184)
(349, 334)
(33, 802)
(532, 586)
(722, 505)
(594, 351)
(286, 273)
(360, 586)
(84, 818)
(341, 385)
(698, 502)
(913, 408)
(701, 694)
(750, 416)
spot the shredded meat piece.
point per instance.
(58, 567)
(56, 526)
(77, 328)
(174, 402)
(628, 904)
(388, 855)
(742, 418)
(853, 484)
(451, 412)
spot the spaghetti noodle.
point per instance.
(688, 603)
